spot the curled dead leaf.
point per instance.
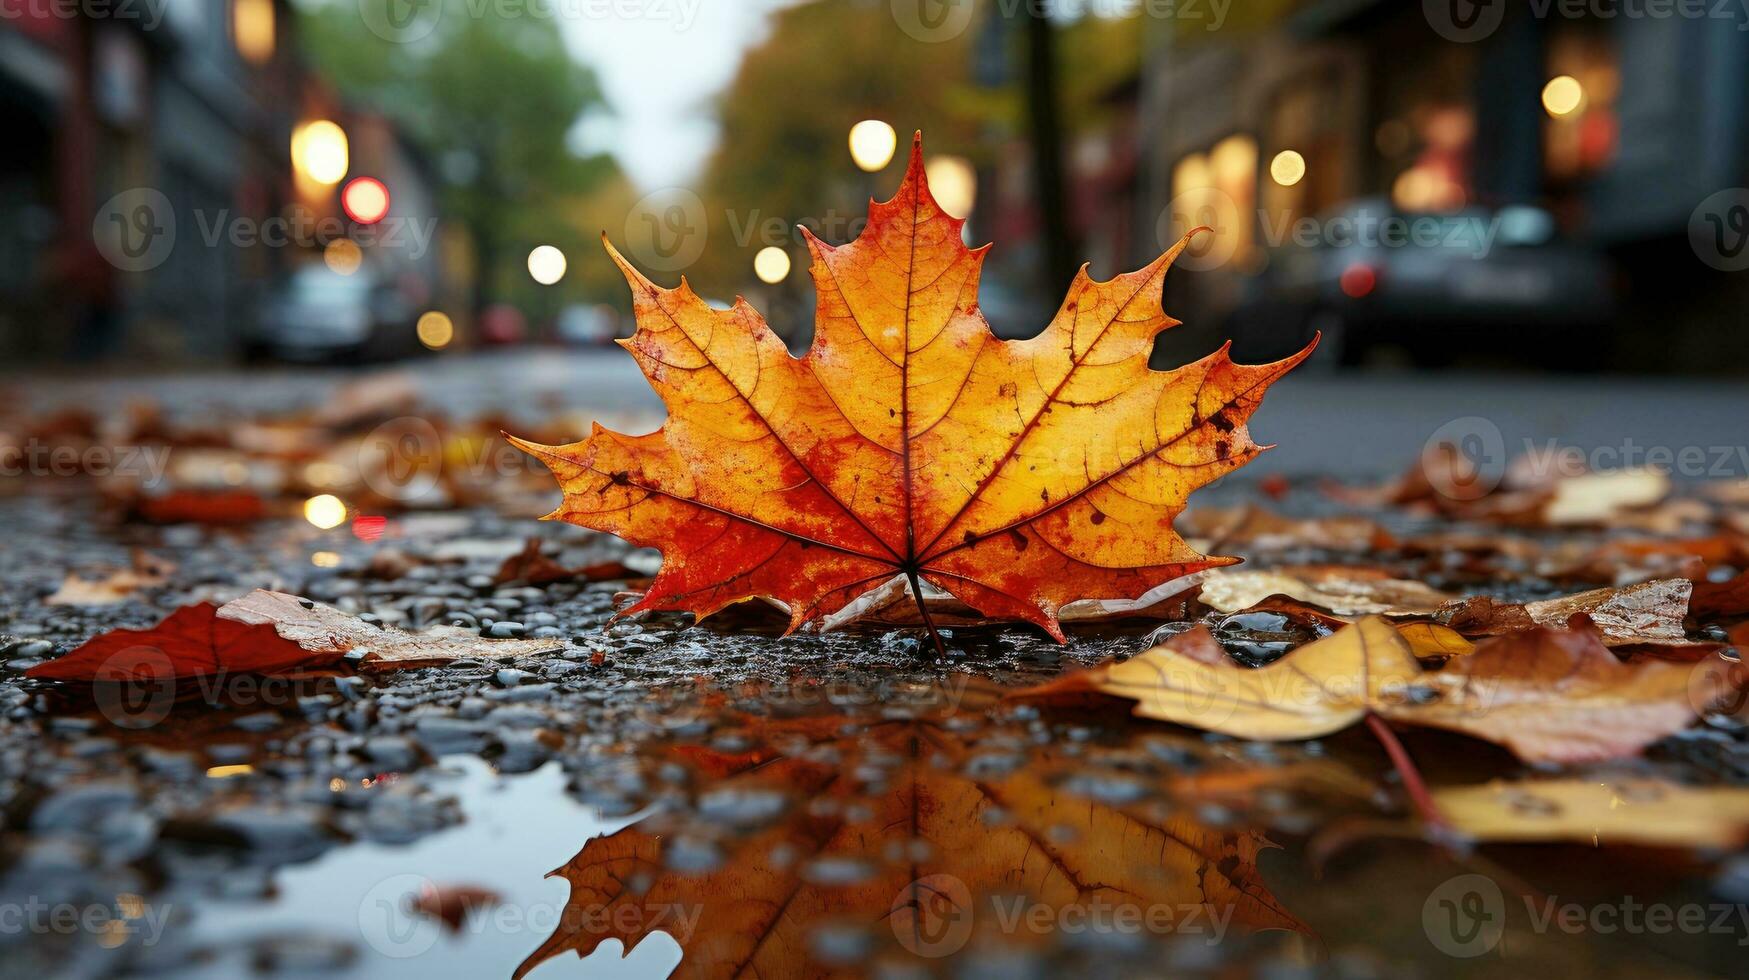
(1549, 696)
(1341, 590)
(1599, 811)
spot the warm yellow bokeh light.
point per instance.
(252, 29)
(1287, 168)
(953, 183)
(1563, 95)
(435, 330)
(325, 511)
(546, 264)
(872, 143)
(319, 151)
(771, 265)
(343, 256)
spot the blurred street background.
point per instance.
(1480, 186)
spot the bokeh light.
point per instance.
(252, 29)
(1563, 95)
(1287, 168)
(872, 143)
(365, 200)
(1358, 280)
(953, 183)
(325, 511)
(546, 264)
(435, 329)
(771, 265)
(343, 256)
(319, 151)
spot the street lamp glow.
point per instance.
(1563, 95)
(319, 151)
(546, 264)
(252, 29)
(325, 511)
(1287, 168)
(771, 265)
(435, 329)
(872, 143)
(953, 183)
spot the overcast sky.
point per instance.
(659, 72)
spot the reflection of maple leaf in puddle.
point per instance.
(904, 832)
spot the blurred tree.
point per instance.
(492, 100)
(1045, 133)
(786, 117)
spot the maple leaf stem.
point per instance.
(1405, 766)
(923, 608)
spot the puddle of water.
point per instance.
(515, 830)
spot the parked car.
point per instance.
(1504, 274)
(317, 314)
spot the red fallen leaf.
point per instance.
(452, 904)
(193, 641)
(265, 633)
(1727, 598)
(529, 565)
(201, 507)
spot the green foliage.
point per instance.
(491, 100)
(785, 121)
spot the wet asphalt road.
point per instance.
(1356, 425)
(280, 831)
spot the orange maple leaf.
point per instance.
(1018, 475)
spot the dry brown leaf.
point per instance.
(1727, 598)
(1601, 498)
(323, 629)
(1599, 811)
(1340, 590)
(1547, 695)
(534, 568)
(1429, 640)
(1259, 530)
(1651, 612)
(119, 585)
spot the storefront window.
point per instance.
(1218, 188)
